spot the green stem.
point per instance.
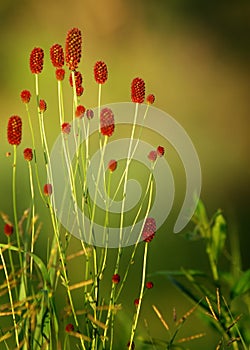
(62, 260)
(32, 217)
(134, 325)
(10, 297)
(15, 206)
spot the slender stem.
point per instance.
(138, 239)
(127, 171)
(15, 206)
(34, 151)
(32, 217)
(134, 325)
(10, 297)
(62, 259)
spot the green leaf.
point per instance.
(218, 235)
(201, 214)
(200, 219)
(242, 285)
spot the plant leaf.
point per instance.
(242, 285)
(218, 235)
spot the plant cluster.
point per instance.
(32, 285)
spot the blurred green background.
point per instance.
(194, 56)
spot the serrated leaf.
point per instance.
(242, 285)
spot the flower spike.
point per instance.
(28, 154)
(73, 48)
(116, 278)
(137, 90)
(107, 122)
(42, 106)
(149, 230)
(25, 96)
(57, 56)
(14, 131)
(8, 230)
(60, 73)
(160, 151)
(150, 99)
(80, 110)
(112, 165)
(36, 60)
(100, 72)
(47, 189)
(66, 127)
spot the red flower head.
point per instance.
(112, 165)
(137, 90)
(78, 83)
(79, 91)
(60, 73)
(8, 229)
(69, 328)
(80, 110)
(42, 106)
(149, 285)
(150, 99)
(160, 151)
(66, 127)
(36, 60)
(73, 48)
(116, 278)
(28, 154)
(14, 131)
(25, 96)
(47, 189)
(107, 122)
(100, 72)
(57, 55)
(89, 113)
(152, 156)
(136, 301)
(149, 230)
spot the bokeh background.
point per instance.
(194, 56)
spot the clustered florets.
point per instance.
(73, 48)
(137, 90)
(107, 122)
(14, 130)
(57, 55)
(149, 230)
(100, 72)
(28, 154)
(36, 60)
